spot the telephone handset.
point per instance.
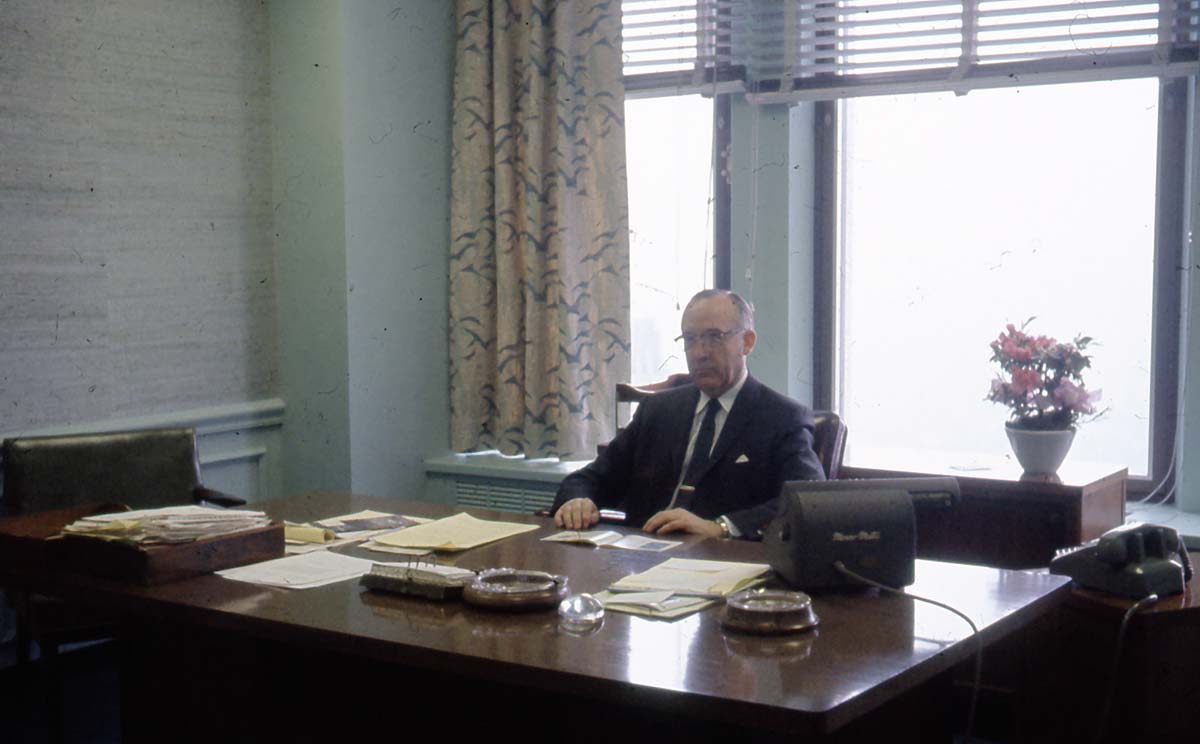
(1132, 560)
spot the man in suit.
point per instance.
(707, 458)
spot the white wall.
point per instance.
(310, 248)
(361, 94)
(398, 66)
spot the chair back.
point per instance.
(829, 441)
(627, 393)
(142, 469)
(829, 431)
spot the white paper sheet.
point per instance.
(459, 532)
(305, 571)
(697, 578)
(612, 539)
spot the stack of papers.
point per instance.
(379, 547)
(679, 586)
(460, 532)
(344, 530)
(311, 570)
(662, 605)
(695, 577)
(611, 539)
(173, 524)
(362, 523)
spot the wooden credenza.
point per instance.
(1009, 520)
(1156, 695)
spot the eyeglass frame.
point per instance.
(708, 339)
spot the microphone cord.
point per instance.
(974, 632)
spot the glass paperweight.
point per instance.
(580, 612)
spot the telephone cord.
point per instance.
(1102, 722)
(974, 633)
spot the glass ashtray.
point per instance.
(515, 589)
(769, 611)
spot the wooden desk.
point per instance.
(208, 656)
(1157, 697)
(1010, 520)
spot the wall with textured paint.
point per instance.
(136, 267)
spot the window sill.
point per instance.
(495, 465)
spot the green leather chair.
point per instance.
(139, 469)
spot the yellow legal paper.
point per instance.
(460, 532)
(697, 578)
(307, 533)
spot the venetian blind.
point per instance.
(798, 49)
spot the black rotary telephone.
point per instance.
(1133, 560)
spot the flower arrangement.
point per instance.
(1041, 379)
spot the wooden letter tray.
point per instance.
(28, 538)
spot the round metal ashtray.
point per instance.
(515, 589)
(769, 611)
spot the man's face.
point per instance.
(717, 365)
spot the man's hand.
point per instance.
(681, 520)
(577, 514)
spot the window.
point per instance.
(1112, 181)
(667, 142)
(961, 214)
(669, 146)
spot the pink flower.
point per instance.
(1040, 378)
(1025, 381)
(1070, 396)
(1016, 352)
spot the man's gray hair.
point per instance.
(745, 310)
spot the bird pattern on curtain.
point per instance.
(539, 253)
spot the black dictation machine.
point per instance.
(868, 526)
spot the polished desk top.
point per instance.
(868, 649)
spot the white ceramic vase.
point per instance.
(1040, 452)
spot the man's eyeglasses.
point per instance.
(708, 339)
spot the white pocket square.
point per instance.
(741, 459)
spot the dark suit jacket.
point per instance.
(766, 440)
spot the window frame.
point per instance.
(722, 195)
(1169, 246)
(777, 55)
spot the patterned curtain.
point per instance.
(539, 259)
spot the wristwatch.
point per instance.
(726, 529)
